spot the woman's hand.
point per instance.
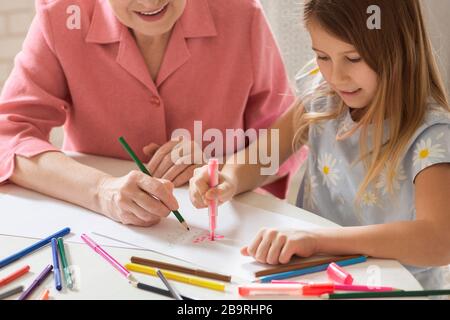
(174, 161)
(136, 199)
(200, 192)
(274, 247)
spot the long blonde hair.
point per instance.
(401, 55)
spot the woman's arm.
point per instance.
(129, 199)
(58, 176)
(423, 242)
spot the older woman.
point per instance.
(141, 69)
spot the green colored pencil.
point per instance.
(144, 170)
(66, 271)
(388, 294)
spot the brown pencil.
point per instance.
(302, 265)
(173, 267)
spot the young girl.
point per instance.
(376, 119)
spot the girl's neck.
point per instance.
(357, 113)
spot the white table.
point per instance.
(95, 279)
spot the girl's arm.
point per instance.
(237, 175)
(247, 176)
(423, 242)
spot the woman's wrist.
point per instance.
(99, 193)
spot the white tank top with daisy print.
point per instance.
(333, 178)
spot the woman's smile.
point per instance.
(153, 15)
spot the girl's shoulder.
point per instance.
(430, 144)
(437, 119)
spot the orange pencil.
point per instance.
(14, 276)
(44, 295)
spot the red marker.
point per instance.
(339, 287)
(213, 172)
(14, 276)
(291, 289)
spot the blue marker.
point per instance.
(301, 272)
(33, 247)
(56, 271)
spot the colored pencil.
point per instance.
(177, 277)
(14, 276)
(176, 268)
(40, 278)
(9, 293)
(65, 264)
(302, 265)
(172, 290)
(296, 273)
(56, 270)
(105, 255)
(33, 247)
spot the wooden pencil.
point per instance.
(302, 265)
(176, 268)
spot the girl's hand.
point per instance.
(274, 247)
(200, 192)
(174, 161)
(136, 199)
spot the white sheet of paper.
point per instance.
(37, 216)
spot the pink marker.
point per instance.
(213, 172)
(106, 256)
(338, 274)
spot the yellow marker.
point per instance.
(177, 277)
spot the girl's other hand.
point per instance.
(276, 247)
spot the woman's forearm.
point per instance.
(415, 243)
(58, 176)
